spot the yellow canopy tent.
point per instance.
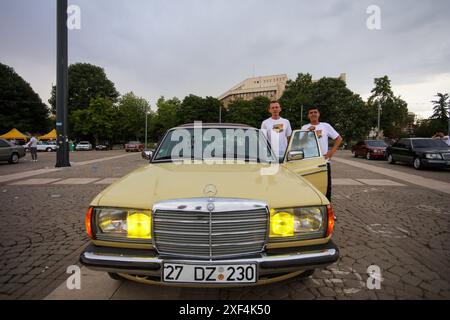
(49, 136)
(14, 134)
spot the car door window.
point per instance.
(305, 141)
(4, 144)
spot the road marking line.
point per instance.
(107, 181)
(346, 182)
(381, 182)
(76, 181)
(35, 181)
(410, 178)
(26, 174)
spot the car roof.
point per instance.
(216, 125)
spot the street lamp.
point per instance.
(220, 114)
(146, 116)
(379, 116)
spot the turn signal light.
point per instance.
(330, 220)
(88, 223)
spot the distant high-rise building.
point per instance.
(271, 87)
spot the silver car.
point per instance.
(84, 145)
(10, 152)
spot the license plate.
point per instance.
(197, 273)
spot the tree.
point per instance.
(440, 110)
(297, 95)
(86, 82)
(20, 106)
(166, 117)
(394, 110)
(131, 117)
(97, 121)
(195, 108)
(251, 112)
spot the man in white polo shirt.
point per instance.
(277, 127)
(324, 132)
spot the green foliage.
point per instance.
(20, 106)
(86, 82)
(97, 121)
(394, 110)
(131, 117)
(252, 112)
(195, 108)
(298, 93)
(441, 110)
(166, 117)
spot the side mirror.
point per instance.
(295, 155)
(147, 154)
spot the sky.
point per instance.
(204, 47)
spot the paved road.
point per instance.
(401, 227)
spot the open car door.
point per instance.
(303, 156)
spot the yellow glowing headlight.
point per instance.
(124, 223)
(281, 224)
(297, 221)
(139, 225)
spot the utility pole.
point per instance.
(220, 114)
(379, 116)
(62, 155)
(146, 114)
(301, 115)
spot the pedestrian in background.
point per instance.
(32, 144)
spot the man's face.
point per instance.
(313, 115)
(275, 109)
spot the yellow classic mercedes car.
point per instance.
(216, 207)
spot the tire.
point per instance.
(368, 156)
(48, 149)
(355, 154)
(417, 164)
(306, 274)
(114, 276)
(390, 159)
(14, 159)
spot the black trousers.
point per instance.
(328, 195)
(33, 151)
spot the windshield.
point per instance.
(133, 142)
(214, 143)
(376, 143)
(429, 143)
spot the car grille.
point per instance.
(202, 234)
(446, 156)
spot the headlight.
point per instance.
(433, 156)
(298, 223)
(123, 223)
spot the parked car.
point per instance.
(134, 146)
(420, 152)
(11, 152)
(83, 145)
(184, 220)
(47, 146)
(101, 147)
(370, 149)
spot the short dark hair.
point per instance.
(313, 108)
(273, 101)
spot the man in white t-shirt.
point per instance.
(32, 144)
(277, 127)
(324, 132)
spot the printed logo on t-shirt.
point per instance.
(278, 127)
(319, 133)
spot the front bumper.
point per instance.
(436, 163)
(149, 263)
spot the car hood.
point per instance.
(156, 182)
(433, 150)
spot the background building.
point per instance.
(271, 87)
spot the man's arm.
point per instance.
(337, 143)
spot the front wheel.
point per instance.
(14, 158)
(417, 164)
(390, 159)
(355, 154)
(368, 156)
(48, 149)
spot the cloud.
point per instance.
(177, 47)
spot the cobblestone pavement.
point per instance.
(402, 229)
